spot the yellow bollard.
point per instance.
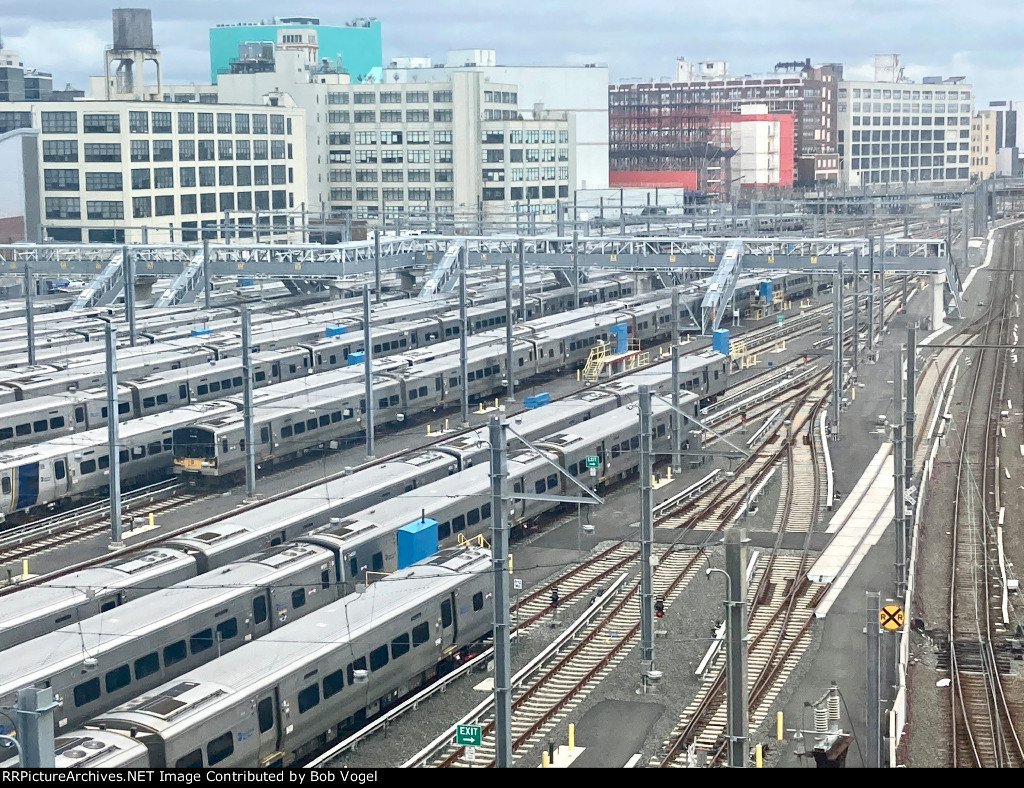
(578, 373)
(24, 567)
(779, 733)
(152, 520)
(544, 760)
(757, 757)
(853, 394)
(481, 409)
(495, 402)
(428, 430)
(670, 473)
(510, 564)
(572, 737)
(446, 425)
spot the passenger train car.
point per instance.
(275, 699)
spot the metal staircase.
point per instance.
(595, 362)
(104, 288)
(445, 275)
(186, 286)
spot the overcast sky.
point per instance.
(981, 40)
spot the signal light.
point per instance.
(554, 598)
(659, 607)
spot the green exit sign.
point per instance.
(468, 735)
(593, 460)
(779, 318)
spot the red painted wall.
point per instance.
(670, 179)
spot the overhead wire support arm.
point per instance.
(703, 426)
(532, 497)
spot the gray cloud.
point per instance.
(639, 39)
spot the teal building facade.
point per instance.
(356, 44)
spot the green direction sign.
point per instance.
(468, 735)
(593, 460)
(779, 318)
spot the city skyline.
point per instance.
(933, 37)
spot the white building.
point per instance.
(895, 132)
(119, 171)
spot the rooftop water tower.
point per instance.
(133, 46)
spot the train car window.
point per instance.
(453, 382)
(446, 613)
(377, 562)
(325, 420)
(57, 422)
(379, 657)
(444, 530)
(298, 597)
(275, 370)
(182, 392)
(149, 402)
(122, 456)
(104, 462)
(310, 424)
(423, 391)
(574, 469)
(485, 511)
(5, 485)
(201, 641)
(214, 387)
(6, 433)
(382, 402)
(153, 448)
(478, 600)
(259, 610)
(399, 646)
(117, 678)
(286, 431)
(174, 653)
(264, 434)
(124, 407)
(236, 382)
(202, 390)
(39, 426)
(437, 383)
(539, 487)
(147, 665)
(26, 429)
(224, 444)
(333, 683)
(459, 523)
(521, 361)
(227, 629)
(161, 399)
(194, 760)
(87, 692)
(260, 376)
(472, 516)
(79, 415)
(353, 666)
(265, 713)
(299, 427)
(412, 394)
(333, 359)
(59, 471)
(393, 400)
(661, 432)
(634, 443)
(292, 368)
(420, 634)
(168, 443)
(325, 579)
(88, 466)
(615, 451)
(220, 748)
(552, 481)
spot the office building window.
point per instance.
(138, 122)
(142, 207)
(364, 116)
(205, 123)
(243, 176)
(241, 123)
(207, 176)
(223, 122)
(225, 150)
(63, 208)
(242, 149)
(206, 150)
(186, 150)
(101, 123)
(163, 150)
(102, 151)
(59, 122)
(163, 205)
(186, 177)
(103, 182)
(60, 150)
(60, 180)
(163, 178)
(186, 123)
(259, 149)
(104, 209)
(277, 124)
(140, 150)
(417, 116)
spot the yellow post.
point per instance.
(778, 726)
(578, 372)
(510, 564)
(757, 757)
(24, 567)
(544, 759)
(446, 425)
(572, 737)
(495, 402)
(428, 430)
(481, 409)
(670, 473)
(853, 393)
(152, 520)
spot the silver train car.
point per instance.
(286, 694)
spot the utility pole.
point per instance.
(575, 267)
(677, 421)
(368, 376)
(910, 417)
(113, 450)
(510, 372)
(463, 340)
(30, 322)
(376, 264)
(499, 564)
(873, 689)
(871, 294)
(206, 271)
(837, 348)
(33, 718)
(128, 272)
(522, 279)
(736, 647)
(856, 309)
(646, 542)
(249, 417)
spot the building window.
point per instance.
(227, 201)
(337, 98)
(442, 97)
(140, 178)
(186, 150)
(338, 116)
(226, 176)
(60, 180)
(138, 122)
(277, 149)
(442, 138)
(163, 205)
(364, 97)
(366, 138)
(242, 149)
(103, 182)
(243, 176)
(163, 150)
(417, 97)
(259, 149)
(417, 116)
(364, 116)
(338, 194)
(63, 208)
(241, 123)
(366, 176)
(208, 203)
(418, 138)
(141, 207)
(393, 195)
(391, 116)
(205, 123)
(444, 176)
(163, 178)
(442, 116)
(392, 176)
(419, 194)
(206, 150)
(225, 150)
(278, 174)
(366, 194)
(188, 204)
(444, 195)
(419, 176)
(223, 122)
(101, 123)
(102, 151)
(104, 209)
(277, 124)
(140, 150)
(186, 123)
(60, 150)
(418, 156)
(389, 97)
(186, 177)
(60, 122)
(491, 193)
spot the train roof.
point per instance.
(278, 653)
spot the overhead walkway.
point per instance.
(104, 288)
(446, 273)
(722, 286)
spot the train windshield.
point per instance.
(193, 443)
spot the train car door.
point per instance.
(28, 485)
(268, 725)
(449, 623)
